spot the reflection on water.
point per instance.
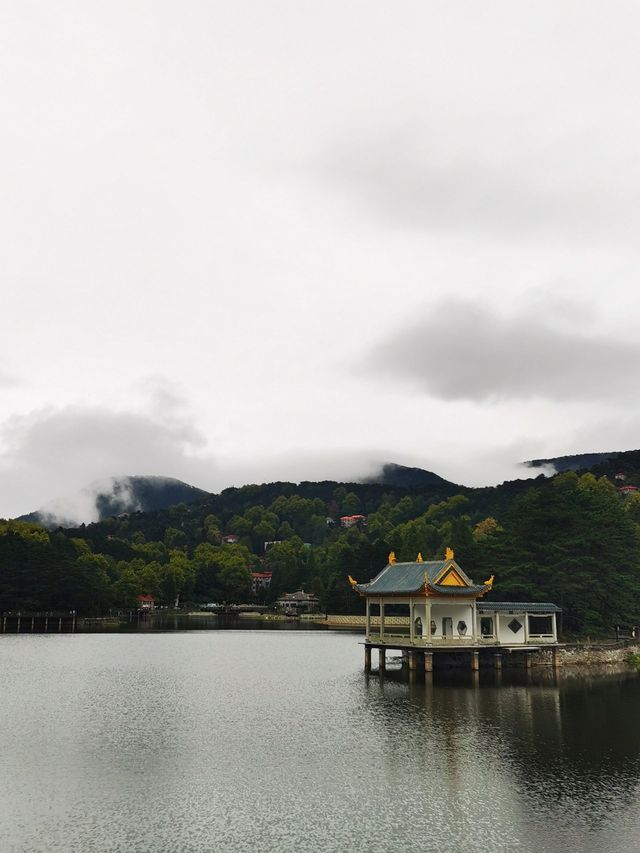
(254, 740)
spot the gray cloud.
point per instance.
(56, 452)
(462, 350)
(446, 179)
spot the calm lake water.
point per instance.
(275, 740)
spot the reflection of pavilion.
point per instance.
(444, 613)
(558, 758)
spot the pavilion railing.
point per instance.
(487, 640)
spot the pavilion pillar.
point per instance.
(475, 661)
(382, 620)
(367, 624)
(526, 627)
(554, 626)
(412, 626)
(428, 661)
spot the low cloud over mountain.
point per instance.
(113, 496)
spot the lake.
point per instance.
(244, 740)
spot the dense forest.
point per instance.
(573, 539)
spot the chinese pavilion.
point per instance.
(446, 612)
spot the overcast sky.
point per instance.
(246, 241)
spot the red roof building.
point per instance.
(352, 520)
(145, 602)
(627, 490)
(260, 580)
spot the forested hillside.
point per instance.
(573, 540)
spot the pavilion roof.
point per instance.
(406, 578)
(518, 607)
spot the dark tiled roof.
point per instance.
(518, 607)
(299, 595)
(404, 578)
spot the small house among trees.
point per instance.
(295, 603)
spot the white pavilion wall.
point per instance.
(505, 634)
(457, 613)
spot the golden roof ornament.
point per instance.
(448, 554)
(351, 581)
(419, 557)
(392, 557)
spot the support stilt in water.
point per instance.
(382, 660)
(475, 661)
(527, 660)
(412, 660)
(428, 661)
(367, 659)
(497, 661)
(554, 658)
(18, 626)
(60, 623)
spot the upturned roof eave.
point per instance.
(432, 591)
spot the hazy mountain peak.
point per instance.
(392, 474)
(113, 496)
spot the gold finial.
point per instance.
(419, 557)
(490, 581)
(351, 581)
(392, 557)
(448, 554)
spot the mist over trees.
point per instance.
(572, 540)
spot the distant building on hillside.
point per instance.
(268, 545)
(260, 581)
(353, 520)
(627, 490)
(295, 603)
(231, 539)
(145, 602)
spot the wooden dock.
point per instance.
(38, 623)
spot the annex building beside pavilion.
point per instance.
(433, 606)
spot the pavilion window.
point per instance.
(540, 625)
(486, 626)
